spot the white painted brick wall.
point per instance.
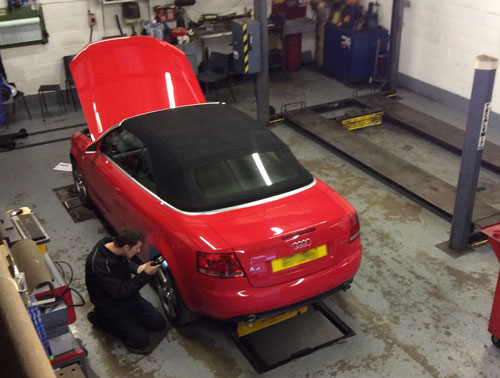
(66, 22)
(441, 39)
(439, 44)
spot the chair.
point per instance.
(47, 88)
(7, 89)
(19, 94)
(69, 82)
(216, 73)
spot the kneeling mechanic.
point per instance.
(113, 283)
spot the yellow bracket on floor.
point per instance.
(479, 243)
(244, 329)
(276, 120)
(363, 121)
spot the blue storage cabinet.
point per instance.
(349, 56)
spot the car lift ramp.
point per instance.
(432, 128)
(275, 341)
(408, 177)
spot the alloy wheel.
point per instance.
(167, 294)
(80, 185)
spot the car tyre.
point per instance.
(171, 300)
(495, 341)
(81, 189)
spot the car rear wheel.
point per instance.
(171, 300)
(80, 186)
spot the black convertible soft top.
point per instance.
(183, 139)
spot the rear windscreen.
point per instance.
(246, 174)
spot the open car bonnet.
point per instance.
(124, 77)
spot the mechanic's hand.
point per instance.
(148, 268)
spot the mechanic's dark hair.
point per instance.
(128, 236)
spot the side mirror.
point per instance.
(92, 149)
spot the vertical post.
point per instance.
(262, 82)
(3, 85)
(395, 45)
(475, 137)
(2, 113)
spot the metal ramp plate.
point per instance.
(69, 198)
(432, 128)
(411, 179)
(295, 337)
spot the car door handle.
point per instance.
(118, 191)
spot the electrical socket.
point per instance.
(92, 19)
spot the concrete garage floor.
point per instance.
(416, 311)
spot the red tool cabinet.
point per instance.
(493, 233)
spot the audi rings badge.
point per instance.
(301, 244)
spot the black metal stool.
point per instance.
(41, 97)
(20, 94)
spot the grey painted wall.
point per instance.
(442, 96)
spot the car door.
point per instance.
(142, 209)
(114, 164)
(132, 184)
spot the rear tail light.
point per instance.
(224, 265)
(353, 227)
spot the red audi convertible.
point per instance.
(245, 230)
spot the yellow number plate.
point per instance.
(299, 258)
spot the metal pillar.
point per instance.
(262, 81)
(475, 137)
(2, 113)
(395, 45)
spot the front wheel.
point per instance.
(171, 300)
(81, 189)
(495, 341)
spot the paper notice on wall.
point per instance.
(65, 167)
(484, 126)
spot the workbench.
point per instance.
(220, 30)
